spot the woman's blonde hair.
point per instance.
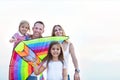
(53, 30)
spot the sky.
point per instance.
(92, 25)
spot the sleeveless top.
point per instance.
(55, 70)
(66, 54)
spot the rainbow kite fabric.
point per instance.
(35, 48)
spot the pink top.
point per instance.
(19, 37)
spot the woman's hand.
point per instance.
(76, 76)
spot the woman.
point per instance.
(68, 50)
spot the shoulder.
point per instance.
(70, 43)
(67, 42)
(71, 47)
(29, 36)
(15, 35)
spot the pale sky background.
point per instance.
(92, 25)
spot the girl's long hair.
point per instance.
(49, 55)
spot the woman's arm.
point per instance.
(74, 59)
(75, 62)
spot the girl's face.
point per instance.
(24, 28)
(55, 50)
(38, 29)
(58, 31)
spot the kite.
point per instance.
(35, 48)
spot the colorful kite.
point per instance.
(35, 48)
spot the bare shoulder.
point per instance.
(71, 47)
(70, 43)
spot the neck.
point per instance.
(55, 59)
(21, 33)
(34, 37)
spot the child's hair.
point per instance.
(49, 56)
(24, 22)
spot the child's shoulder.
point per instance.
(15, 34)
(28, 36)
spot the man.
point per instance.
(38, 30)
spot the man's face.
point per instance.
(38, 29)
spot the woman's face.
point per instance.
(38, 29)
(58, 31)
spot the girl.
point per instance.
(22, 34)
(16, 38)
(38, 30)
(56, 68)
(68, 50)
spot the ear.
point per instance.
(43, 31)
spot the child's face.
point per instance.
(24, 28)
(55, 50)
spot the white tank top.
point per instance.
(66, 55)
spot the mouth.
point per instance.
(36, 33)
(55, 53)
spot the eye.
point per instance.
(22, 26)
(40, 29)
(36, 28)
(53, 48)
(60, 29)
(55, 30)
(26, 27)
(58, 49)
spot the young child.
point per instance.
(22, 34)
(56, 67)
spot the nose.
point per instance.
(55, 50)
(57, 31)
(37, 30)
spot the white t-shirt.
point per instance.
(54, 70)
